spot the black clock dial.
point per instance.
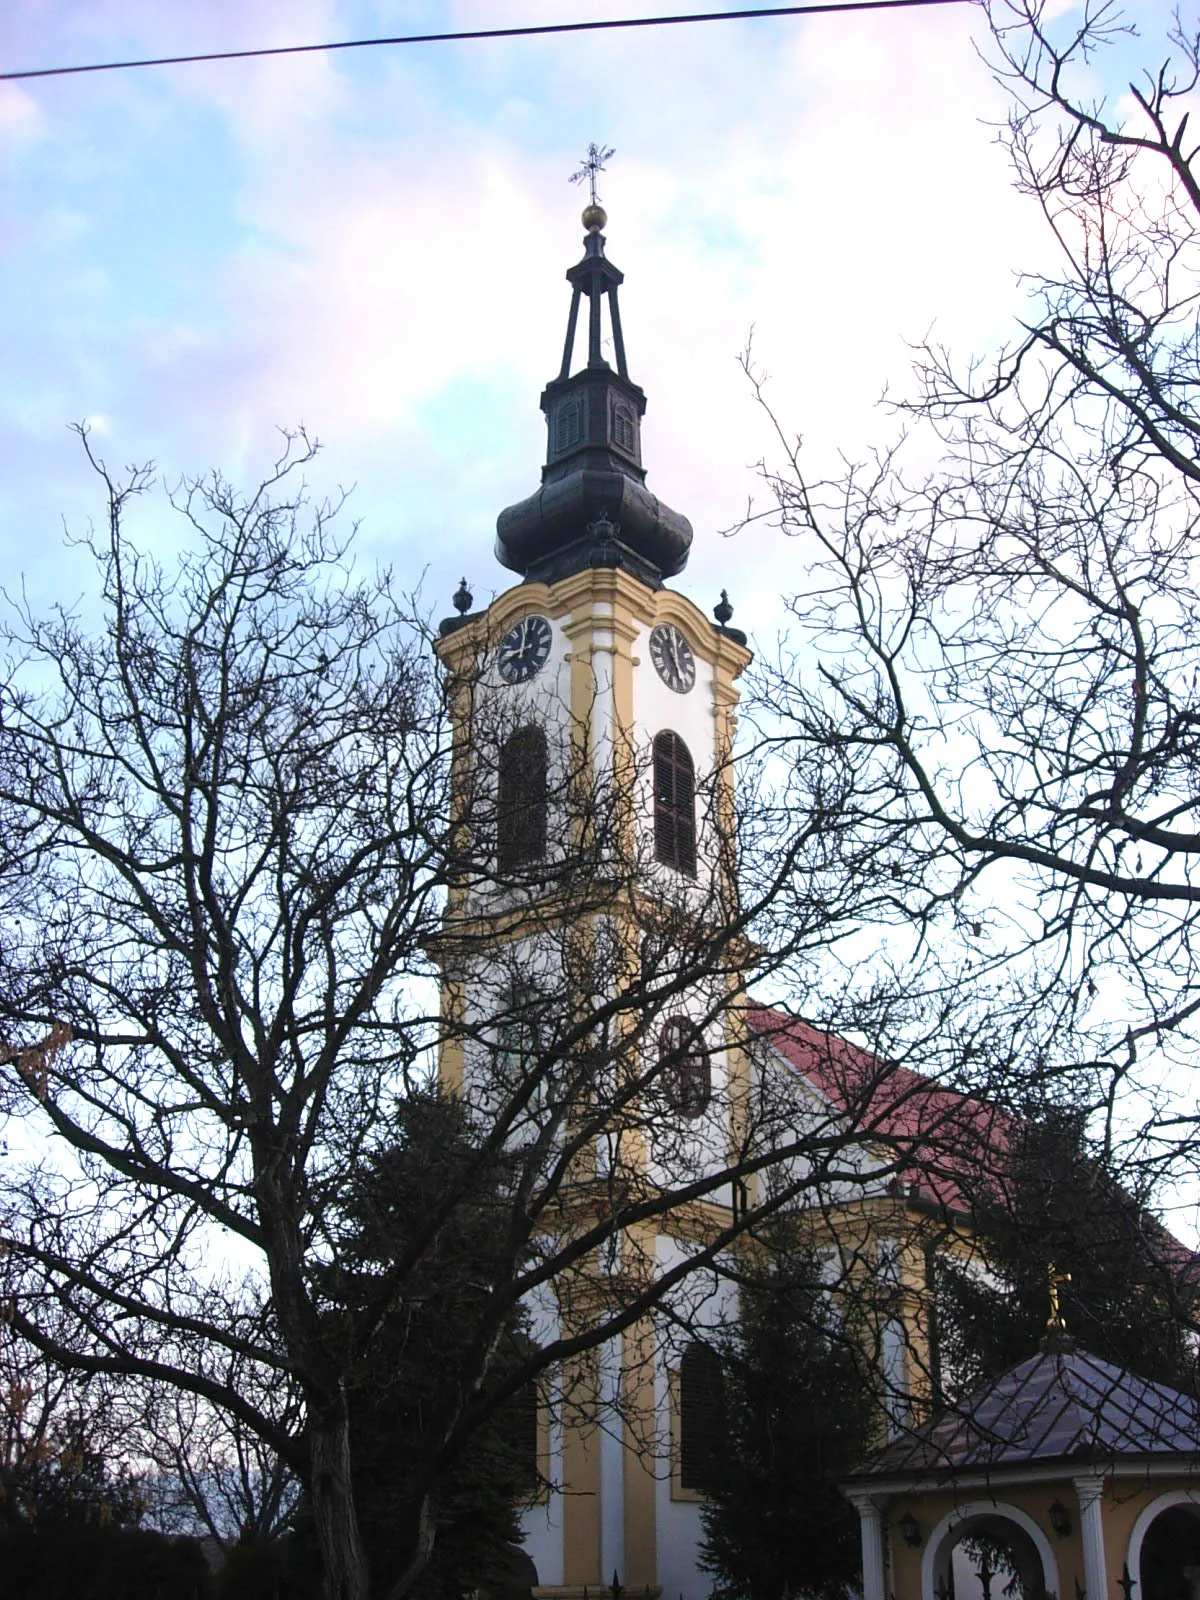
(672, 657)
(524, 649)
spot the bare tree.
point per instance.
(1005, 642)
(238, 860)
(211, 1475)
(220, 822)
(63, 1446)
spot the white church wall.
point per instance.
(893, 1353)
(601, 710)
(543, 699)
(679, 1535)
(499, 709)
(790, 1110)
(695, 1145)
(612, 1462)
(541, 1524)
(532, 966)
(785, 1111)
(657, 709)
(542, 1538)
(703, 1300)
(707, 1304)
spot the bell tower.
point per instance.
(594, 712)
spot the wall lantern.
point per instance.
(910, 1530)
(1060, 1518)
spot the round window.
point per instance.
(684, 1069)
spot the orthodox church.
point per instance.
(591, 678)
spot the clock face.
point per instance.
(524, 649)
(672, 657)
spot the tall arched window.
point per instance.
(525, 1077)
(685, 1074)
(674, 803)
(518, 1037)
(701, 1416)
(521, 799)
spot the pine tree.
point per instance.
(798, 1413)
(397, 1400)
(1125, 1285)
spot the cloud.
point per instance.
(21, 119)
(374, 243)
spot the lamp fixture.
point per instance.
(1060, 1518)
(910, 1530)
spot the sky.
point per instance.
(373, 243)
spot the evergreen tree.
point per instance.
(1124, 1284)
(69, 1527)
(397, 1398)
(799, 1408)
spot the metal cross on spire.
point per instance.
(597, 156)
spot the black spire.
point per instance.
(593, 508)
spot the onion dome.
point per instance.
(593, 508)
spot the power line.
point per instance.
(485, 33)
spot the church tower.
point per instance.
(593, 711)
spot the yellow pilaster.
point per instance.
(641, 1443)
(581, 1475)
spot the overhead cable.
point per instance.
(530, 31)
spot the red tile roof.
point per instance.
(944, 1147)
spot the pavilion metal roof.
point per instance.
(1060, 1404)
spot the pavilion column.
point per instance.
(1090, 1489)
(870, 1522)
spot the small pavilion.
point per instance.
(1064, 1477)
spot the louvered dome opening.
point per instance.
(674, 804)
(521, 799)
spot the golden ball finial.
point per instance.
(594, 217)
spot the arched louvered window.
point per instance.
(685, 1073)
(701, 1416)
(568, 425)
(521, 799)
(674, 803)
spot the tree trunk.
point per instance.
(425, 1531)
(342, 1554)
